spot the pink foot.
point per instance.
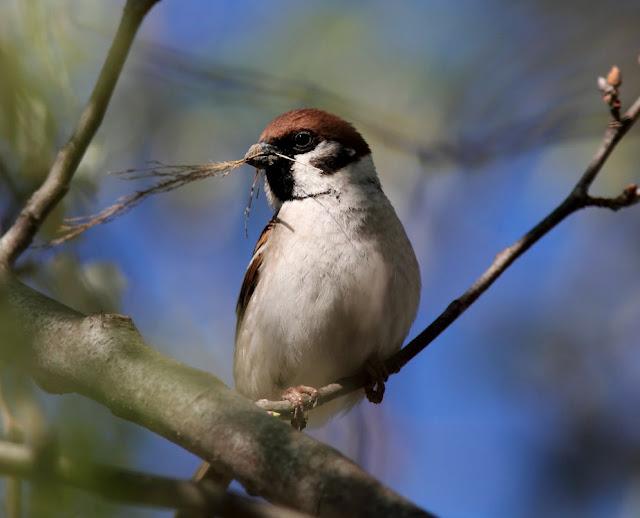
(296, 396)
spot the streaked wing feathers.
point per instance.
(252, 276)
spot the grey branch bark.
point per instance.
(577, 199)
(55, 186)
(103, 357)
(126, 486)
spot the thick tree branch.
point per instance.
(104, 358)
(126, 486)
(579, 198)
(55, 186)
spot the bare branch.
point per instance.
(579, 198)
(55, 186)
(127, 486)
(610, 88)
(629, 196)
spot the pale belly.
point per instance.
(323, 306)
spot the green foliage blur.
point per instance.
(481, 117)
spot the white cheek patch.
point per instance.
(324, 150)
(309, 179)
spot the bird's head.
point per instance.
(309, 152)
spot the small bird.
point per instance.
(333, 285)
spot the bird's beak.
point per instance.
(261, 155)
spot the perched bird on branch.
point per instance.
(333, 285)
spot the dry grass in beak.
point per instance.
(172, 177)
(253, 193)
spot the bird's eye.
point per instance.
(303, 140)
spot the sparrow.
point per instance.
(333, 284)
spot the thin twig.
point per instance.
(579, 198)
(55, 186)
(122, 485)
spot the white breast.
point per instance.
(339, 282)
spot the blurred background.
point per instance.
(481, 116)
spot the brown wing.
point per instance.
(252, 276)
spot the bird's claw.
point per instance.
(378, 374)
(296, 396)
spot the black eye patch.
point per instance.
(297, 142)
(280, 179)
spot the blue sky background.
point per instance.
(490, 419)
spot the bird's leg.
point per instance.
(296, 396)
(378, 374)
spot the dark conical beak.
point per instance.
(261, 155)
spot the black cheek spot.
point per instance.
(331, 163)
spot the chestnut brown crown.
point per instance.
(324, 125)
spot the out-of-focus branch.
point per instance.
(13, 195)
(132, 487)
(5, 175)
(577, 199)
(55, 186)
(103, 357)
(12, 432)
(493, 142)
